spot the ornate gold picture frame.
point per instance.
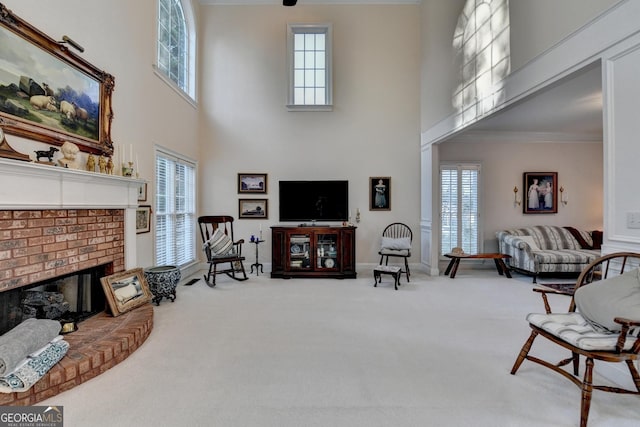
(126, 290)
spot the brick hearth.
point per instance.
(100, 343)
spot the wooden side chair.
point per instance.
(221, 248)
(396, 242)
(602, 323)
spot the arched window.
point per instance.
(482, 46)
(176, 45)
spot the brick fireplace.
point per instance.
(55, 222)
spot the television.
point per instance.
(314, 200)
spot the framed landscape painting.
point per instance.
(252, 183)
(542, 192)
(253, 209)
(49, 93)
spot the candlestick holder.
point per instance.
(127, 169)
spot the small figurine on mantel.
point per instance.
(102, 164)
(91, 163)
(70, 152)
(109, 166)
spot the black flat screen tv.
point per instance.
(314, 200)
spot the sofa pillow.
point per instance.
(398, 244)
(619, 296)
(219, 243)
(529, 240)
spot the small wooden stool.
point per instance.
(387, 269)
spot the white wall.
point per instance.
(373, 130)
(557, 18)
(119, 37)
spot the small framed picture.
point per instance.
(126, 290)
(142, 192)
(253, 209)
(542, 192)
(252, 183)
(380, 193)
(143, 219)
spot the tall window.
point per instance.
(459, 207)
(176, 45)
(175, 210)
(309, 67)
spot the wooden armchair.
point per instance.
(221, 248)
(602, 323)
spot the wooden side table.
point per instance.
(257, 264)
(452, 268)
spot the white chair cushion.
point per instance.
(401, 243)
(403, 252)
(574, 329)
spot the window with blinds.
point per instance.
(459, 207)
(175, 210)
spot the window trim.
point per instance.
(461, 166)
(190, 95)
(292, 30)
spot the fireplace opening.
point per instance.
(70, 298)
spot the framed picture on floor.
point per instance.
(126, 290)
(380, 193)
(542, 192)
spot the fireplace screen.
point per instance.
(71, 298)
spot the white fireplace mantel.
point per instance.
(33, 186)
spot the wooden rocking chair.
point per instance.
(582, 336)
(221, 248)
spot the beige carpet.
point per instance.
(268, 352)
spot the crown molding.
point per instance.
(529, 137)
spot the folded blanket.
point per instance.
(24, 339)
(34, 367)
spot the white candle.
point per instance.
(260, 226)
(131, 153)
(137, 165)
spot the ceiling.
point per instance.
(570, 109)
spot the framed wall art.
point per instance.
(142, 192)
(50, 93)
(126, 290)
(542, 192)
(380, 193)
(252, 183)
(143, 219)
(253, 209)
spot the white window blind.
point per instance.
(459, 207)
(175, 210)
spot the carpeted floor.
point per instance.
(282, 353)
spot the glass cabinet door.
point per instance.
(299, 251)
(326, 251)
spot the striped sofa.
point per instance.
(544, 249)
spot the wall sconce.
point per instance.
(516, 200)
(564, 197)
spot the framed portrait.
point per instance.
(252, 183)
(253, 209)
(142, 192)
(380, 193)
(49, 93)
(541, 192)
(143, 219)
(126, 290)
